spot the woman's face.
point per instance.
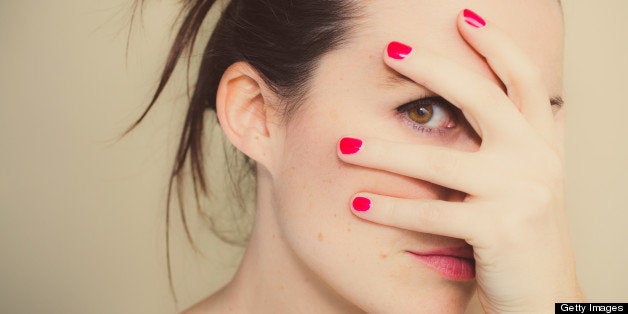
(354, 93)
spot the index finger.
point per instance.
(485, 105)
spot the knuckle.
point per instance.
(538, 193)
(535, 73)
(529, 73)
(526, 77)
(495, 99)
(535, 205)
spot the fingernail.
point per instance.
(350, 145)
(361, 204)
(397, 50)
(473, 19)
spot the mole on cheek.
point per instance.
(320, 236)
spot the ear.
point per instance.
(244, 112)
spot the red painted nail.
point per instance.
(397, 50)
(361, 204)
(350, 145)
(473, 19)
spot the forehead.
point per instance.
(535, 25)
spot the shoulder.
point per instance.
(216, 303)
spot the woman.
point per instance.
(406, 153)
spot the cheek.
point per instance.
(314, 187)
(311, 168)
(312, 190)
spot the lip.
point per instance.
(455, 264)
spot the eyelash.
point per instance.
(452, 111)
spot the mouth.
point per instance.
(455, 264)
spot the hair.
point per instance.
(283, 40)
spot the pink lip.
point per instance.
(451, 263)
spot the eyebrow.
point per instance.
(394, 79)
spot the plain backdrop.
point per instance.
(82, 214)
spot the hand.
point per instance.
(514, 215)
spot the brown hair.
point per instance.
(282, 39)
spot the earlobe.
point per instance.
(242, 111)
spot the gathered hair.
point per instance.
(283, 40)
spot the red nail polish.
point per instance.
(397, 50)
(473, 19)
(350, 145)
(361, 204)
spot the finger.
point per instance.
(451, 219)
(518, 72)
(487, 108)
(458, 170)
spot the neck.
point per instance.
(271, 278)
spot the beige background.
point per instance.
(81, 215)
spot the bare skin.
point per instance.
(494, 183)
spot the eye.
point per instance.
(421, 114)
(431, 114)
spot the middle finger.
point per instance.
(458, 170)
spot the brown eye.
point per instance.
(430, 114)
(421, 114)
